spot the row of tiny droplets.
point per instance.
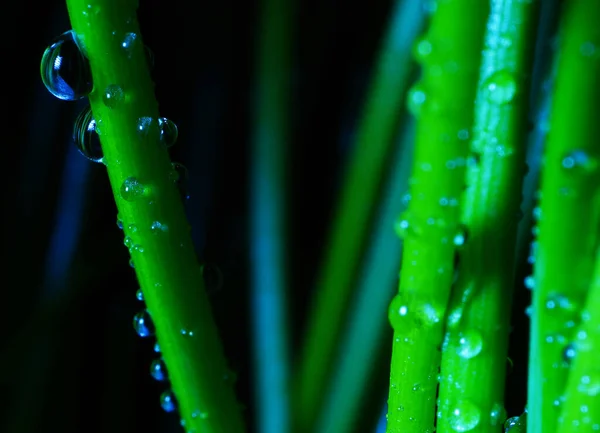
(66, 74)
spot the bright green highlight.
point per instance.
(471, 395)
(142, 180)
(569, 217)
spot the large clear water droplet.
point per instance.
(168, 132)
(464, 416)
(158, 370)
(113, 96)
(143, 325)
(85, 136)
(168, 401)
(421, 312)
(511, 423)
(147, 128)
(65, 70)
(469, 344)
(500, 87)
(132, 189)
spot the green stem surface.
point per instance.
(442, 103)
(475, 346)
(569, 214)
(155, 226)
(581, 406)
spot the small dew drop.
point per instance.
(139, 295)
(158, 370)
(85, 136)
(529, 282)
(131, 263)
(497, 414)
(168, 132)
(415, 100)
(65, 70)
(510, 423)
(186, 333)
(142, 323)
(422, 50)
(500, 87)
(460, 238)
(579, 161)
(168, 401)
(156, 348)
(464, 417)
(199, 414)
(470, 344)
(569, 353)
(147, 128)
(128, 43)
(158, 227)
(113, 96)
(132, 189)
(119, 222)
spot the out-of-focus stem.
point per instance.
(569, 219)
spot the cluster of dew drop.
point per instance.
(66, 73)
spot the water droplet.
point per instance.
(147, 128)
(128, 43)
(529, 282)
(497, 414)
(158, 370)
(200, 414)
(113, 96)
(401, 226)
(464, 417)
(128, 242)
(422, 49)
(579, 161)
(142, 323)
(179, 175)
(139, 295)
(420, 313)
(460, 238)
(168, 132)
(168, 401)
(500, 87)
(560, 304)
(416, 387)
(119, 222)
(86, 137)
(510, 423)
(569, 353)
(132, 189)
(416, 99)
(158, 227)
(212, 276)
(132, 263)
(470, 344)
(186, 332)
(587, 49)
(156, 348)
(65, 70)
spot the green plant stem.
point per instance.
(165, 262)
(348, 236)
(442, 103)
(476, 343)
(569, 220)
(267, 218)
(581, 406)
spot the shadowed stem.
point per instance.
(142, 180)
(568, 215)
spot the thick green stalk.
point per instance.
(268, 212)
(476, 343)
(581, 407)
(150, 206)
(442, 103)
(569, 213)
(375, 137)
